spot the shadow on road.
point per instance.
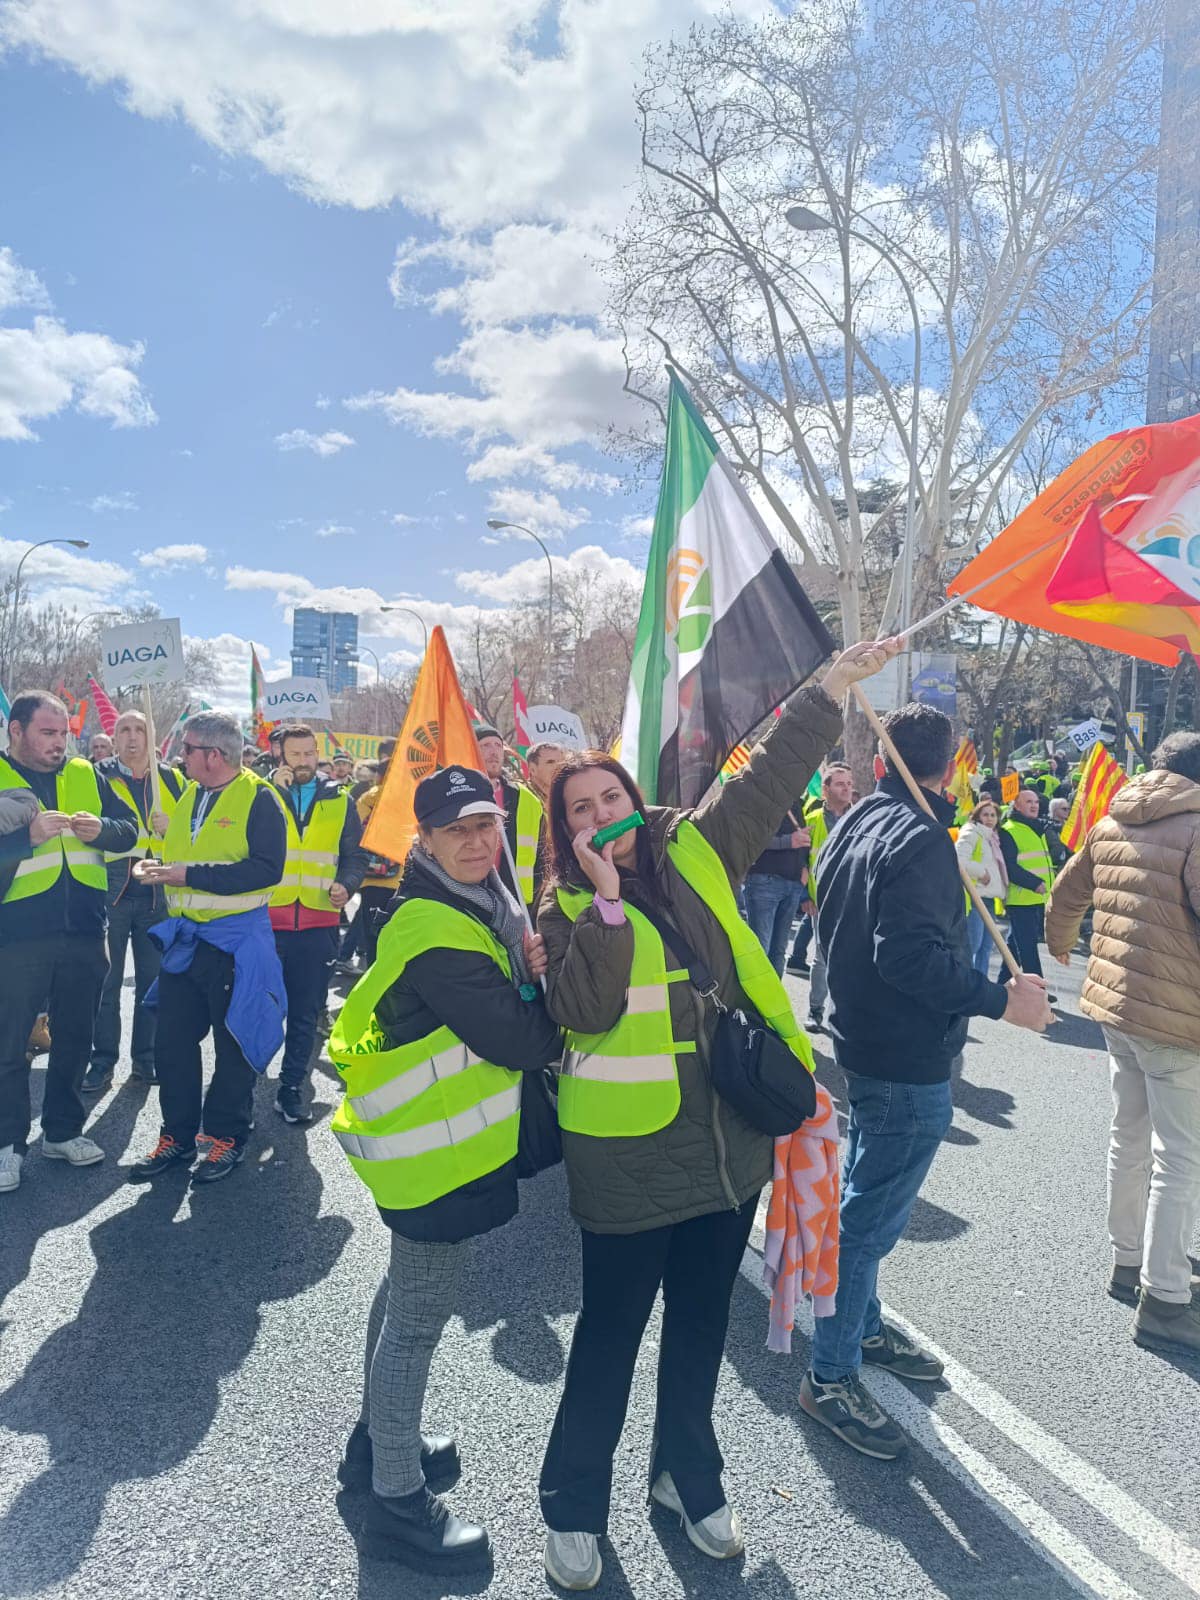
(1076, 1032)
(131, 1387)
(520, 1291)
(914, 1502)
(53, 1195)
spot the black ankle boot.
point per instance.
(421, 1531)
(439, 1460)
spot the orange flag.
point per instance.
(1010, 788)
(1144, 485)
(437, 732)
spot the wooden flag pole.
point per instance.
(918, 794)
(960, 599)
(152, 744)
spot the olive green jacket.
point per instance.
(709, 1158)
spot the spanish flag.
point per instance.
(437, 733)
(1098, 782)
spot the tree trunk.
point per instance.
(858, 740)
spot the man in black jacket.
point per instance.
(52, 928)
(892, 926)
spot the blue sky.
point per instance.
(191, 330)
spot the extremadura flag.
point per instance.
(726, 631)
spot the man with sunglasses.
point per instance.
(222, 857)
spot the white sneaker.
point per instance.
(573, 1559)
(80, 1152)
(10, 1169)
(718, 1535)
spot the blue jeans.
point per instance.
(893, 1136)
(771, 905)
(979, 941)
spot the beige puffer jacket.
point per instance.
(1140, 868)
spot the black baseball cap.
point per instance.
(486, 730)
(453, 793)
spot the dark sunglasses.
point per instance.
(190, 749)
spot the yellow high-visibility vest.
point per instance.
(422, 1119)
(76, 789)
(312, 857)
(626, 1082)
(147, 842)
(1033, 853)
(221, 839)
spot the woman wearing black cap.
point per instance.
(432, 1043)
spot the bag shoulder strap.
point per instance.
(699, 973)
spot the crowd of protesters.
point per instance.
(524, 997)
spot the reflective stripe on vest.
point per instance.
(220, 841)
(431, 1136)
(421, 1119)
(146, 844)
(529, 828)
(312, 857)
(75, 789)
(1033, 853)
(625, 1082)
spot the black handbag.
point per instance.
(539, 1140)
(752, 1067)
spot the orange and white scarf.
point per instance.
(801, 1252)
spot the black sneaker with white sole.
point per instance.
(845, 1408)
(894, 1350)
(290, 1105)
(219, 1158)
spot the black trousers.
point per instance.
(129, 922)
(304, 954)
(696, 1263)
(1027, 925)
(373, 902)
(69, 973)
(189, 1004)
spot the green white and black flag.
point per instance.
(725, 633)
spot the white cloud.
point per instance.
(65, 577)
(550, 388)
(44, 368)
(544, 513)
(20, 286)
(121, 500)
(231, 691)
(527, 460)
(321, 444)
(168, 557)
(333, 530)
(528, 577)
(403, 520)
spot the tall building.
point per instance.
(1173, 385)
(325, 645)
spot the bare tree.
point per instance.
(987, 171)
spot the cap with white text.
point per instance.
(453, 793)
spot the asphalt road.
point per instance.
(178, 1374)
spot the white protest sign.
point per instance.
(553, 725)
(295, 700)
(1085, 735)
(141, 653)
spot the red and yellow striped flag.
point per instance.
(1098, 782)
(966, 762)
(735, 761)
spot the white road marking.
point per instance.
(1081, 1568)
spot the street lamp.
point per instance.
(87, 617)
(375, 659)
(496, 524)
(409, 610)
(806, 221)
(78, 544)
